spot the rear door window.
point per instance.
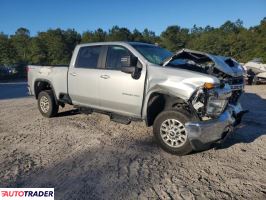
(88, 57)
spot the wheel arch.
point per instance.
(158, 101)
(41, 85)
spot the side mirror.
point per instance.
(129, 66)
(128, 70)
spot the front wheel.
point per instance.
(47, 104)
(169, 130)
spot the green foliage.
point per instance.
(150, 37)
(119, 34)
(20, 42)
(231, 39)
(174, 38)
(97, 36)
(38, 51)
(7, 51)
(55, 46)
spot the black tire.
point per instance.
(51, 110)
(180, 116)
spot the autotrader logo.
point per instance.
(27, 193)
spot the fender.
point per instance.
(160, 91)
(43, 80)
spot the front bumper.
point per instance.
(203, 133)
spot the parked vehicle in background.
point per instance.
(190, 98)
(256, 71)
(6, 71)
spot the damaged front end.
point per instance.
(218, 116)
(218, 106)
(226, 69)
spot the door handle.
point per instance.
(73, 74)
(105, 76)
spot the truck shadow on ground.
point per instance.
(253, 123)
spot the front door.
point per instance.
(119, 92)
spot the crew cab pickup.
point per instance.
(190, 98)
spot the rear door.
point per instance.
(119, 92)
(83, 78)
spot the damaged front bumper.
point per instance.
(203, 133)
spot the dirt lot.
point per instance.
(89, 157)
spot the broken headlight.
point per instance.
(215, 106)
(211, 102)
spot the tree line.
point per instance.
(55, 46)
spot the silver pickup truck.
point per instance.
(190, 98)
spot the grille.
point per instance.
(237, 85)
(236, 80)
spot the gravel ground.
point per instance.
(90, 157)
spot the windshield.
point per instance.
(153, 54)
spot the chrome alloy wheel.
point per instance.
(173, 133)
(44, 104)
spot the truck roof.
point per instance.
(115, 43)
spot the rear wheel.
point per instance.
(47, 104)
(169, 130)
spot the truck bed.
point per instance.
(53, 74)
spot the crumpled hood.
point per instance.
(225, 64)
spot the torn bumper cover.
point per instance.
(203, 133)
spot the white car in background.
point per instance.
(256, 71)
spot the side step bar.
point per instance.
(120, 119)
(113, 116)
(84, 110)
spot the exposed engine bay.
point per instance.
(209, 102)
